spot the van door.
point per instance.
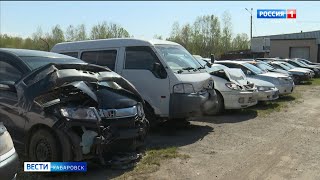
(139, 69)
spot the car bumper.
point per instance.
(9, 167)
(238, 99)
(299, 78)
(186, 105)
(268, 95)
(285, 89)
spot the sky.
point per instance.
(144, 19)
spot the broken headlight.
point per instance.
(233, 86)
(78, 113)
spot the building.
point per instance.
(296, 45)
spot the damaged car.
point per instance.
(58, 108)
(233, 92)
(283, 83)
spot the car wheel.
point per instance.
(44, 147)
(219, 108)
(150, 116)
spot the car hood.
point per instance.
(237, 76)
(273, 74)
(280, 71)
(259, 82)
(301, 69)
(82, 84)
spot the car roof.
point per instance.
(32, 53)
(234, 62)
(112, 42)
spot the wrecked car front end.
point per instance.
(93, 111)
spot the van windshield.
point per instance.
(179, 59)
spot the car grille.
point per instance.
(120, 123)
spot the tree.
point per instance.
(241, 42)
(104, 30)
(226, 38)
(156, 36)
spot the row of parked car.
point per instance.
(96, 99)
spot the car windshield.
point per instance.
(265, 66)
(179, 59)
(284, 66)
(253, 68)
(35, 62)
(297, 62)
(302, 62)
(289, 65)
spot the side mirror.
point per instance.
(209, 64)
(212, 58)
(159, 71)
(7, 86)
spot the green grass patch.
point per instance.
(151, 162)
(315, 82)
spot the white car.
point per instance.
(233, 91)
(284, 83)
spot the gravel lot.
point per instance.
(281, 145)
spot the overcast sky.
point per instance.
(145, 19)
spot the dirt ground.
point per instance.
(281, 145)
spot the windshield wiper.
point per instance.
(189, 68)
(202, 67)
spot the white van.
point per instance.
(173, 84)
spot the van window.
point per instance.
(72, 54)
(140, 57)
(102, 58)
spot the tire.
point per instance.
(44, 147)
(150, 115)
(219, 108)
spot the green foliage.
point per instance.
(206, 36)
(45, 42)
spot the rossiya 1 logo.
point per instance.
(277, 13)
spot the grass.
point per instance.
(315, 82)
(151, 162)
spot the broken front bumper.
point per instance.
(239, 99)
(90, 140)
(193, 104)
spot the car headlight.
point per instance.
(140, 110)
(78, 113)
(263, 88)
(183, 88)
(233, 86)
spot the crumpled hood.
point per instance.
(236, 76)
(198, 80)
(259, 82)
(55, 83)
(272, 74)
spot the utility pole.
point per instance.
(250, 22)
